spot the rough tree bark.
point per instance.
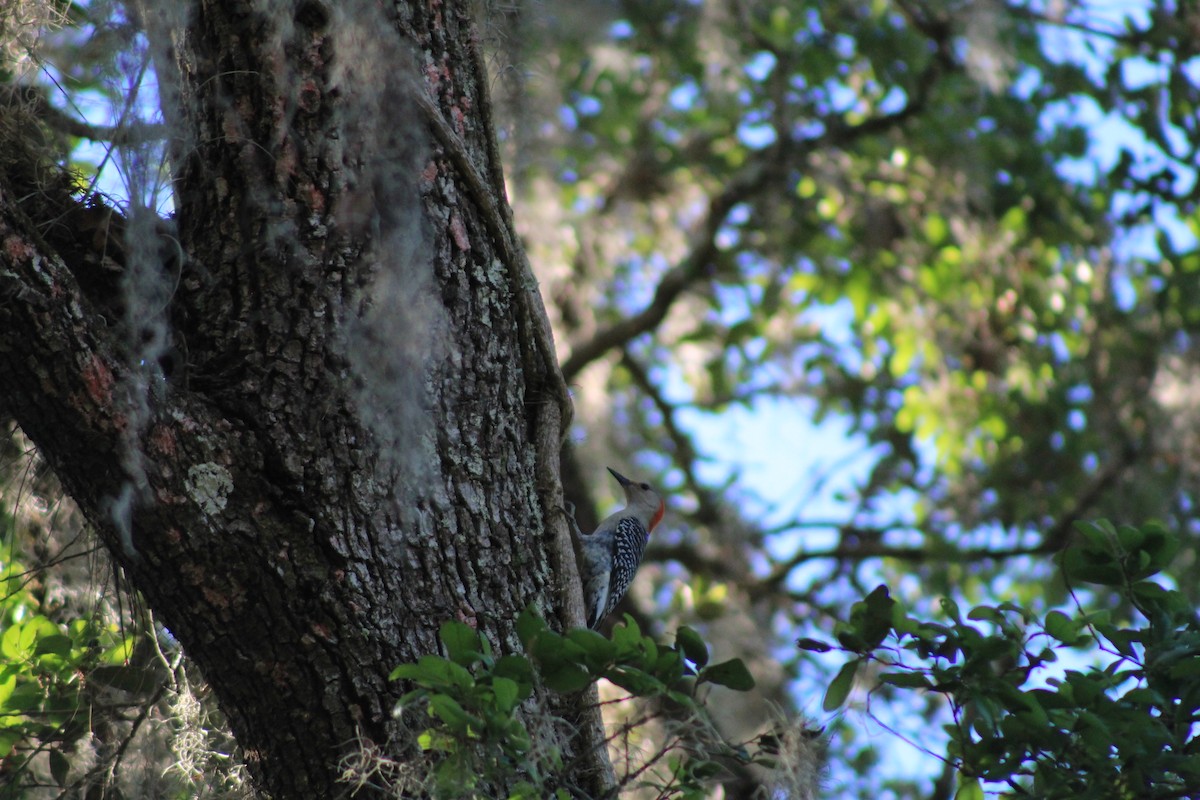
(356, 434)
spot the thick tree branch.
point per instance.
(181, 526)
(694, 267)
(860, 543)
(685, 455)
(33, 100)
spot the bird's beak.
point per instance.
(621, 479)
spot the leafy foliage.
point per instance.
(471, 699)
(90, 702)
(629, 659)
(479, 721)
(1024, 712)
(50, 676)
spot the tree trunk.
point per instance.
(317, 413)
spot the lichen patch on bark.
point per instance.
(209, 486)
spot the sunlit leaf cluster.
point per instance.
(1028, 711)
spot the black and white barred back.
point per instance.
(629, 544)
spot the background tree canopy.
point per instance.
(959, 237)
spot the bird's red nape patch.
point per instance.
(658, 515)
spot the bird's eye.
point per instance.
(646, 486)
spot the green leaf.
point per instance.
(732, 674)
(1161, 544)
(1099, 534)
(462, 642)
(549, 648)
(1062, 627)
(448, 710)
(670, 666)
(849, 640)
(878, 626)
(692, 645)
(404, 672)
(119, 653)
(527, 791)
(55, 644)
(507, 694)
(1143, 695)
(59, 767)
(1014, 220)
(839, 688)
(936, 229)
(649, 649)
(704, 770)
(9, 736)
(566, 677)
(434, 672)
(907, 680)
(968, 789)
(595, 649)
(951, 609)
(517, 669)
(627, 637)
(451, 779)
(1122, 639)
(636, 681)
(1091, 565)
(27, 698)
(516, 737)
(11, 645)
(870, 621)
(813, 645)
(8, 682)
(529, 626)
(1130, 538)
(902, 623)
(985, 614)
(1150, 594)
(1187, 670)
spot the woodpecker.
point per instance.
(612, 554)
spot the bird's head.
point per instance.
(641, 499)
